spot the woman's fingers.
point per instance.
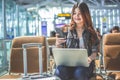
(89, 60)
(59, 41)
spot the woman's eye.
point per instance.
(76, 13)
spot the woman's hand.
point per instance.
(59, 41)
(89, 60)
(92, 57)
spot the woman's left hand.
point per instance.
(92, 57)
(89, 60)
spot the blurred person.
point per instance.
(52, 34)
(98, 34)
(115, 29)
(100, 39)
(65, 28)
(81, 34)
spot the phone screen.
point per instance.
(60, 32)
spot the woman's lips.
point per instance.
(77, 19)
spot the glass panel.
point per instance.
(5, 44)
(10, 19)
(111, 18)
(1, 27)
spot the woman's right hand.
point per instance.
(59, 41)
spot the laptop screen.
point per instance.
(70, 57)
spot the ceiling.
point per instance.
(63, 3)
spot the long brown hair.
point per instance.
(86, 18)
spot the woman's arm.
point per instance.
(95, 49)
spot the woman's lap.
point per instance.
(67, 73)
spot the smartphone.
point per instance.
(60, 32)
(61, 35)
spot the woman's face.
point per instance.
(77, 17)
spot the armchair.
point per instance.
(16, 56)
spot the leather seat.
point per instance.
(111, 54)
(16, 56)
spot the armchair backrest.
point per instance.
(16, 56)
(51, 40)
(111, 51)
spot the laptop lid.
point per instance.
(70, 57)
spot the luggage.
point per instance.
(24, 46)
(39, 76)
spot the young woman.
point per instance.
(115, 29)
(80, 35)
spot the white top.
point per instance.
(81, 43)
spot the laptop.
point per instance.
(70, 57)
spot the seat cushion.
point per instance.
(13, 77)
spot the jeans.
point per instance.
(74, 73)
